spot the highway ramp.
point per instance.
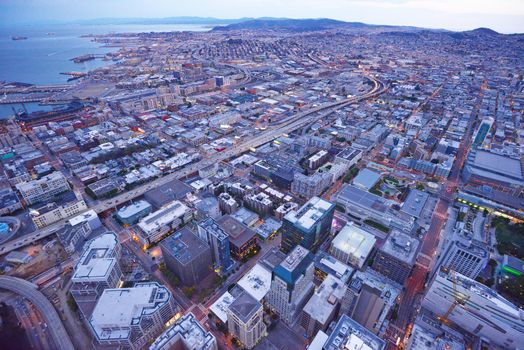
(29, 291)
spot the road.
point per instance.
(44, 306)
(285, 126)
(414, 286)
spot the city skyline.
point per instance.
(504, 16)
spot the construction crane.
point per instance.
(460, 299)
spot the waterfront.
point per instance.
(48, 51)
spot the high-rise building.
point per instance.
(185, 334)
(466, 252)
(187, 256)
(43, 189)
(218, 240)
(349, 334)
(309, 226)
(352, 245)
(97, 269)
(245, 320)
(371, 297)
(476, 309)
(396, 257)
(309, 186)
(132, 317)
(291, 284)
(324, 306)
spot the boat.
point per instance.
(18, 38)
(52, 115)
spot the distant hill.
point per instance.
(165, 20)
(287, 24)
(296, 25)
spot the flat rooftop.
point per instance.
(188, 332)
(245, 306)
(238, 233)
(220, 307)
(97, 259)
(349, 334)
(184, 245)
(415, 202)
(133, 209)
(324, 300)
(498, 164)
(366, 178)
(363, 198)
(401, 246)
(256, 282)
(163, 216)
(330, 265)
(354, 241)
(123, 307)
(310, 213)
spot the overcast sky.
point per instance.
(502, 15)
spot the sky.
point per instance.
(506, 16)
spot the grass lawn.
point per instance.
(510, 239)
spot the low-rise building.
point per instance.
(45, 214)
(160, 223)
(130, 214)
(44, 188)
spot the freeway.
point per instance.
(30, 292)
(284, 126)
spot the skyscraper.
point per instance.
(292, 284)
(218, 240)
(308, 226)
(97, 269)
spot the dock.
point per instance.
(87, 57)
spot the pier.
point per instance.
(87, 57)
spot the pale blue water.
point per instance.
(42, 57)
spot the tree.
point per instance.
(189, 291)
(514, 289)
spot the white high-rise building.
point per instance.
(185, 333)
(476, 308)
(132, 317)
(97, 269)
(292, 284)
(245, 320)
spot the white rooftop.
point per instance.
(256, 282)
(310, 212)
(354, 241)
(324, 301)
(119, 308)
(84, 217)
(97, 260)
(133, 208)
(220, 307)
(163, 216)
